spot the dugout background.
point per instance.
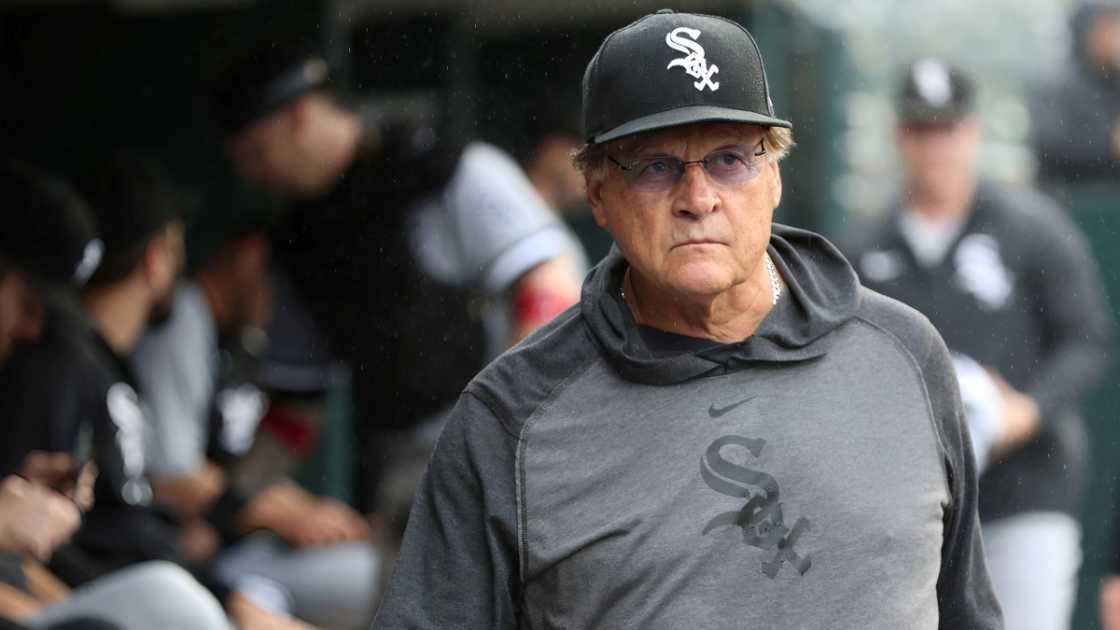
(80, 76)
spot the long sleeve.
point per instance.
(458, 566)
(964, 591)
(1077, 325)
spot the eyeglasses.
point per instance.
(731, 166)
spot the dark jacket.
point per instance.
(1075, 113)
(1019, 293)
(53, 394)
(411, 341)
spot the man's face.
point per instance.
(21, 312)
(1102, 41)
(268, 152)
(700, 236)
(939, 157)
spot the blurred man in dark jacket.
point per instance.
(1077, 115)
(1010, 284)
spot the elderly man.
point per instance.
(728, 431)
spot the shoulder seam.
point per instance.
(485, 400)
(519, 481)
(946, 461)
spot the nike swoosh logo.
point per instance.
(716, 412)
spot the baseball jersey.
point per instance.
(487, 229)
(69, 392)
(1016, 291)
(193, 414)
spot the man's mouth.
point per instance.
(698, 241)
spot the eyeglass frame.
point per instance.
(682, 165)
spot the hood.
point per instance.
(822, 294)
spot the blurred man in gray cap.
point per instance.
(1009, 282)
(700, 443)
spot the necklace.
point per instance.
(775, 283)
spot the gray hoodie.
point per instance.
(608, 475)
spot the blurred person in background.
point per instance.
(542, 140)
(73, 392)
(699, 443)
(1010, 284)
(48, 247)
(400, 239)
(1076, 116)
(196, 374)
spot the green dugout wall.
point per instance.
(1095, 207)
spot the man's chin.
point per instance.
(699, 282)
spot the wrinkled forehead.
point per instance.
(697, 137)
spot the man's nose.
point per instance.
(696, 196)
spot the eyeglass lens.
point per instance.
(731, 166)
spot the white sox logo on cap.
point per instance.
(91, 258)
(694, 62)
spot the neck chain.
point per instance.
(775, 282)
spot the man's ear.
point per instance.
(157, 262)
(595, 199)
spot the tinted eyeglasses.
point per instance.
(729, 166)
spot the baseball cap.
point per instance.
(933, 91)
(131, 199)
(668, 69)
(47, 233)
(263, 82)
(213, 231)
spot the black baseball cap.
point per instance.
(131, 199)
(933, 91)
(669, 69)
(47, 233)
(213, 231)
(265, 81)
